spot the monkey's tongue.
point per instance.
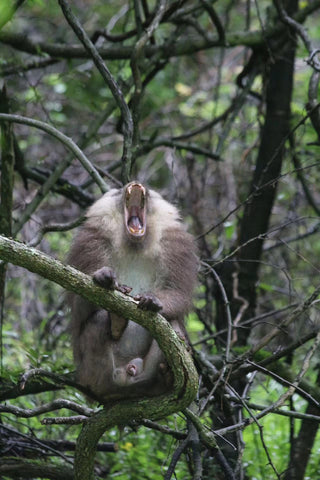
(135, 225)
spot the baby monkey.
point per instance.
(132, 240)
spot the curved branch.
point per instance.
(124, 305)
(67, 142)
(120, 413)
(215, 19)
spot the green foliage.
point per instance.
(185, 93)
(275, 430)
(145, 454)
(276, 436)
(314, 463)
(266, 287)
(6, 9)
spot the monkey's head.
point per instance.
(132, 214)
(135, 211)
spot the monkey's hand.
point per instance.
(106, 278)
(148, 301)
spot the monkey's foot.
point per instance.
(106, 278)
(148, 301)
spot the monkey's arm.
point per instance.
(179, 265)
(90, 251)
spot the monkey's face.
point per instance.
(135, 211)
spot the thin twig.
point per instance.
(112, 84)
(66, 141)
(54, 227)
(285, 18)
(296, 314)
(226, 305)
(135, 67)
(47, 407)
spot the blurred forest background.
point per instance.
(223, 97)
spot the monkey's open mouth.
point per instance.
(135, 210)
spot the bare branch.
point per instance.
(312, 60)
(110, 81)
(184, 47)
(47, 407)
(72, 420)
(295, 314)
(135, 67)
(66, 141)
(22, 468)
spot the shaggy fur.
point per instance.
(163, 264)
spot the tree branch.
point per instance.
(185, 47)
(112, 84)
(21, 468)
(185, 376)
(82, 284)
(67, 142)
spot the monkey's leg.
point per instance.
(153, 365)
(106, 278)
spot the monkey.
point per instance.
(133, 240)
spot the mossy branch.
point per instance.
(178, 358)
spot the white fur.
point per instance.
(161, 215)
(137, 271)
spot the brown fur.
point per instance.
(164, 264)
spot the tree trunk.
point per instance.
(302, 445)
(257, 212)
(255, 222)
